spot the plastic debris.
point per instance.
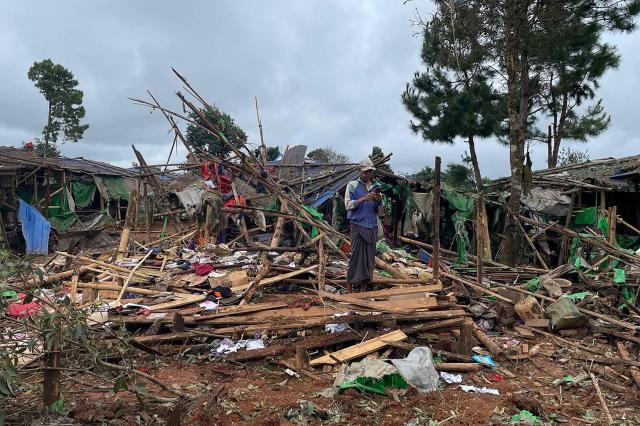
(525, 417)
(451, 378)
(485, 360)
(418, 370)
(471, 388)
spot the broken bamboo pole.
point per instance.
(436, 221)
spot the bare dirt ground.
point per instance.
(261, 393)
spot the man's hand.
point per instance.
(371, 196)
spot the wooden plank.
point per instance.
(397, 291)
(360, 349)
(275, 279)
(245, 309)
(315, 322)
(182, 301)
(376, 306)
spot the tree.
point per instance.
(376, 153)
(39, 148)
(454, 97)
(328, 155)
(570, 156)
(425, 176)
(273, 152)
(59, 88)
(200, 138)
(517, 38)
(577, 61)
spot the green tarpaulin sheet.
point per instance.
(316, 215)
(586, 217)
(603, 226)
(378, 386)
(619, 276)
(62, 222)
(83, 193)
(112, 187)
(462, 204)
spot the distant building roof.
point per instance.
(13, 159)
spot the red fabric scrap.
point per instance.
(202, 269)
(23, 310)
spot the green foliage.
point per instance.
(59, 88)
(425, 176)
(198, 136)
(39, 148)
(273, 152)
(570, 156)
(328, 155)
(58, 407)
(457, 176)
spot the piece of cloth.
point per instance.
(202, 269)
(23, 310)
(190, 198)
(216, 219)
(365, 213)
(35, 229)
(363, 254)
(83, 193)
(112, 187)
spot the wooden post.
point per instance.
(479, 239)
(35, 200)
(322, 260)
(128, 224)
(147, 213)
(613, 216)
(603, 201)
(465, 343)
(565, 239)
(177, 323)
(47, 193)
(302, 358)
(51, 376)
(436, 222)
(334, 212)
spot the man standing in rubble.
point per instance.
(362, 198)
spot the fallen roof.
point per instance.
(608, 173)
(11, 157)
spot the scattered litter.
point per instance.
(471, 388)
(451, 378)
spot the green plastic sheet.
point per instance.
(619, 276)
(316, 215)
(114, 187)
(62, 222)
(577, 296)
(377, 386)
(83, 193)
(461, 203)
(533, 284)
(586, 216)
(603, 226)
(525, 417)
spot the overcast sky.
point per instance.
(327, 73)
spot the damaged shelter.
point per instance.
(74, 196)
(238, 282)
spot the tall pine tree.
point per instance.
(454, 97)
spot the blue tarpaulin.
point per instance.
(35, 229)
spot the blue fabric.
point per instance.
(35, 229)
(364, 214)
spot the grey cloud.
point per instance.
(325, 72)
